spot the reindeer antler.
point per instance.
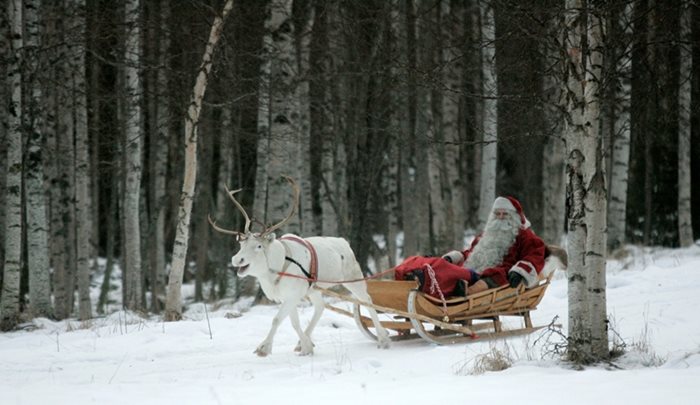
(246, 228)
(295, 189)
(220, 229)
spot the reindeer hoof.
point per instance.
(304, 350)
(263, 350)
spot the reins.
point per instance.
(285, 274)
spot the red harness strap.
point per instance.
(313, 266)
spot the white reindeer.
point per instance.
(265, 257)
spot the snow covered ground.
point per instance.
(653, 300)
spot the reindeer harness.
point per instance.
(312, 273)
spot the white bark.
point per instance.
(173, 304)
(9, 303)
(685, 228)
(489, 93)
(37, 222)
(133, 151)
(278, 120)
(617, 210)
(586, 191)
(307, 220)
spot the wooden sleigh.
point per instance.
(474, 318)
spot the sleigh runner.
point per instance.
(414, 314)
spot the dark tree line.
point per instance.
(378, 108)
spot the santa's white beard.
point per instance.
(498, 237)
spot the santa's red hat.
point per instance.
(511, 204)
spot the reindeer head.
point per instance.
(254, 255)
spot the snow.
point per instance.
(122, 358)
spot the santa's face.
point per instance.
(502, 220)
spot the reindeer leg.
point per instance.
(316, 298)
(305, 346)
(359, 290)
(266, 346)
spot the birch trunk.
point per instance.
(4, 117)
(617, 210)
(489, 92)
(307, 220)
(173, 304)
(133, 150)
(9, 302)
(82, 162)
(278, 119)
(37, 222)
(585, 190)
(685, 228)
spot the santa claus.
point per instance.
(507, 252)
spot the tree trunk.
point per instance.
(76, 10)
(173, 304)
(133, 150)
(278, 119)
(306, 213)
(617, 211)
(685, 227)
(422, 132)
(651, 119)
(452, 22)
(37, 222)
(586, 192)
(554, 153)
(489, 92)
(399, 137)
(9, 302)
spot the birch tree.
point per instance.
(617, 209)
(489, 92)
(685, 228)
(586, 193)
(279, 134)
(132, 152)
(37, 222)
(9, 302)
(173, 304)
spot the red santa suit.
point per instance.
(525, 256)
(521, 252)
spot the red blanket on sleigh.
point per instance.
(439, 276)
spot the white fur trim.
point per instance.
(456, 256)
(530, 277)
(504, 204)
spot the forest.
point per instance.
(401, 121)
